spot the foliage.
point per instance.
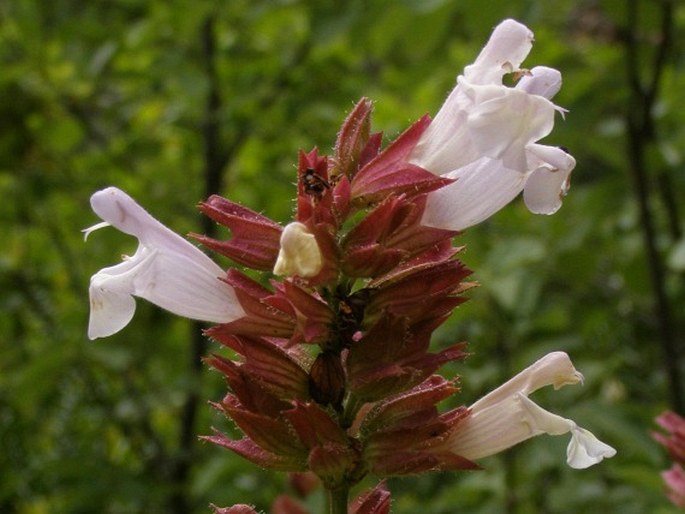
(102, 93)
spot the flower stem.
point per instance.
(337, 500)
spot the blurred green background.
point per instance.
(172, 99)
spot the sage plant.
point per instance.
(673, 439)
(331, 370)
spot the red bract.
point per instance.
(333, 455)
(314, 190)
(377, 370)
(266, 313)
(387, 236)
(407, 435)
(420, 292)
(255, 238)
(390, 173)
(352, 146)
(273, 367)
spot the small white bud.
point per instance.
(299, 253)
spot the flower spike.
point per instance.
(327, 337)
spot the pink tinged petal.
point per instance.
(672, 422)
(299, 254)
(542, 81)
(483, 118)
(504, 52)
(464, 130)
(675, 481)
(235, 509)
(674, 440)
(481, 189)
(166, 270)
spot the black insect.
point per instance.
(313, 183)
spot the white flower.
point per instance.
(485, 136)
(299, 253)
(166, 270)
(506, 417)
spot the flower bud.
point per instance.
(299, 253)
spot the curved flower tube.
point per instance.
(485, 136)
(166, 270)
(506, 417)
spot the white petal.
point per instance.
(491, 430)
(176, 283)
(111, 304)
(542, 81)
(482, 188)
(123, 213)
(110, 310)
(506, 417)
(488, 128)
(542, 421)
(503, 121)
(549, 183)
(545, 190)
(555, 369)
(109, 313)
(166, 270)
(553, 157)
(446, 144)
(585, 449)
(504, 52)
(299, 253)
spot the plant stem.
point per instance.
(213, 175)
(337, 500)
(640, 134)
